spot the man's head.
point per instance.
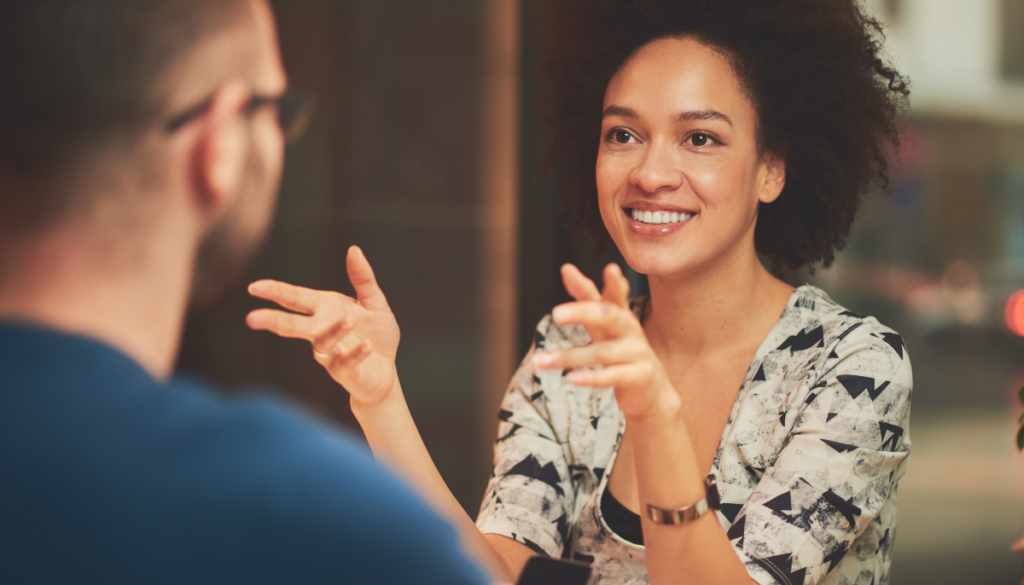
(117, 115)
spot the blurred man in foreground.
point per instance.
(141, 143)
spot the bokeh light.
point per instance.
(1015, 313)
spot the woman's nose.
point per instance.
(658, 170)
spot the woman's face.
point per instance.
(679, 177)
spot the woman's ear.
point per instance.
(222, 145)
(774, 165)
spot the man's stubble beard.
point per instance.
(233, 241)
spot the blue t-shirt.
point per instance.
(108, 476)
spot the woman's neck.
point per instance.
(723, 307)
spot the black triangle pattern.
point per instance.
(532, 468)
(895, 342)
(831, 416)
(857, 385)
(509, 434)
(804, 340)
(736, 530)
(730, 511)
(538, 338)
(562, 525)
(782, 507)
(759, 376)
(894, 434)
(845, 507)
(840, 447)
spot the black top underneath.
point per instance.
(621, 519)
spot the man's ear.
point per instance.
(222, 147)
(775, 175)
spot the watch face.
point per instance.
(714, 500)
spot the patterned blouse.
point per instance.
(807, 465)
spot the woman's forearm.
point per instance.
(669, 477)
(395, 440)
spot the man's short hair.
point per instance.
(74, 73)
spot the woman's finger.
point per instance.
(611, 320)
(579, 286)
(635, 375)
(606, 354)
(330, 336)
(340, 357)
(289, 296)
(360, 274)
(282, 323)
(616, 286)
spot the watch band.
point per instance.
(710, 501)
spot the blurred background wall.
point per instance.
(395, 161)
(426, 152)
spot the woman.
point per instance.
(721, 129)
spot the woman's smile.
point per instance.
(652, 219)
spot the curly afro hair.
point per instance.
(813, 69)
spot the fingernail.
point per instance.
(542, 359)
(560, 314)
(575, 377)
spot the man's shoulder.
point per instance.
(244, 488)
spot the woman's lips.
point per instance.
(660, 222)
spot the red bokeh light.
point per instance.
(1015, 313)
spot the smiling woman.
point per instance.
(695, 134)
(728, 427)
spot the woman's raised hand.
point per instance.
(356, 340)
(620, 345)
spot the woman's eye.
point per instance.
(621, 136)
(700, 139)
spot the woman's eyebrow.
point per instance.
(703, 115)
(620, 111)
(690, 116)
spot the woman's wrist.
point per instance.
(666, 406)
(381, 402)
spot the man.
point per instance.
(141, 143)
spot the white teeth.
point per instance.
(659, 217)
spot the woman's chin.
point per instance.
(655, 264)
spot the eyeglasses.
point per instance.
(294, 111)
